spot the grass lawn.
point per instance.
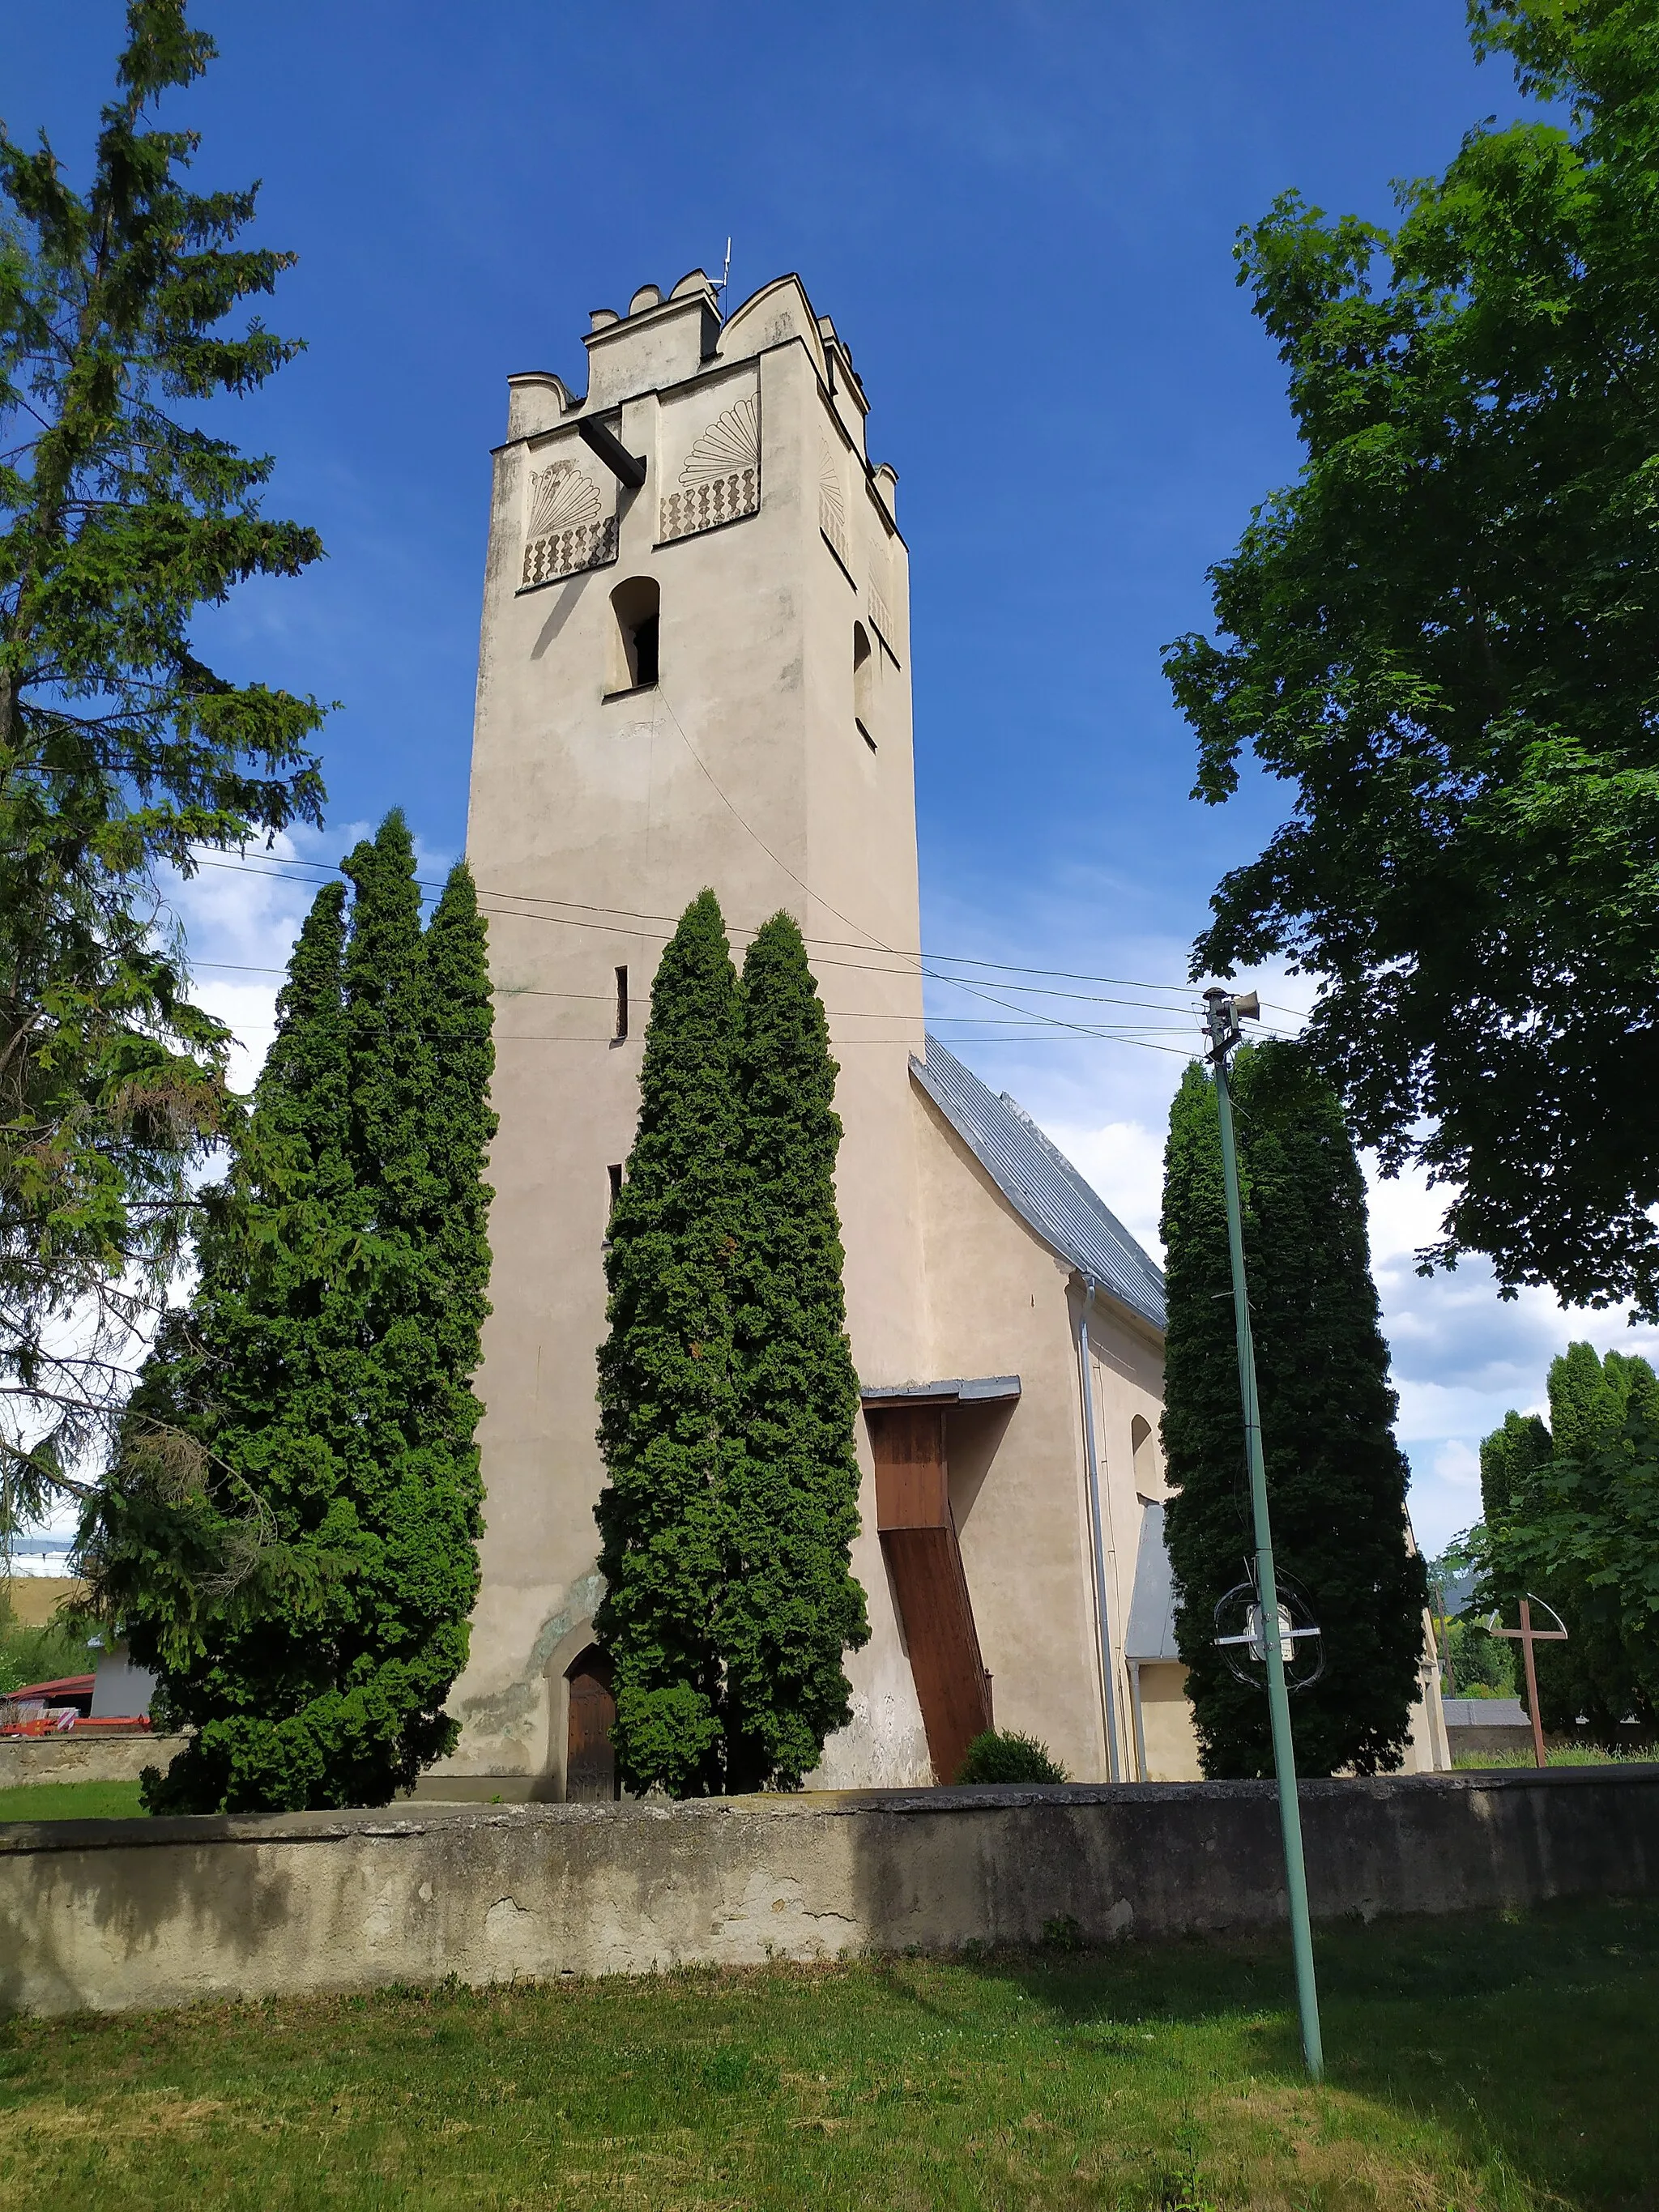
(1498, 2062)
(70, 1801)
(1558, 1754)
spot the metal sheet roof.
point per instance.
(1040, 1183)
(1151, 1633)
(955, 1390)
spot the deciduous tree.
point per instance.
(1444, 637)
(1572, 1517)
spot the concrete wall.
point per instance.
(116, 1914)
(91, 1757)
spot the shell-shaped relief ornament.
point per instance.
(730, 445)
(829, 489)
(562, 498)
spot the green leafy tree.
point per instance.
(289, 1535)
(667, 1387)
(1444, 636)
(121, 751)
(1473, 1663)
(1572, 1517)
(1336, 1479)
(790, 1605)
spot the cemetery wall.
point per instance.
(92, 1757)
(116, 1914)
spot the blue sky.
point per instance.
(1021, 217)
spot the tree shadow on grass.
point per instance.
(1527, 2037)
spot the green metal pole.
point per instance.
(1223, 1035)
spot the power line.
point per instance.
(279, 870)
(279, 873)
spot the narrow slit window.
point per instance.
(615, 1173)
(621, 1029)
(863, 678)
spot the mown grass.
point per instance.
(1502, 2062)
(70, 1801)
(1558, 1754)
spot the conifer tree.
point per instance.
(1336, 1478)
(791, 1605)
(667, 1400)
(124, 307)
(288, 1536)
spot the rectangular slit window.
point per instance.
(615, 1173)
(621, 1029)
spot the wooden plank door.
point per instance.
(590, 1760)
(918, 1536)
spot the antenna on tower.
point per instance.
(725, 273)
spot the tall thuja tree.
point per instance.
(417, 1024)
(791, 1606)
(288, 1533)
(667, 1398)
(217, 1542)
(122, 751)
(1336, 1478)
(458, 1016)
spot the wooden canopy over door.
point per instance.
(919, 1537)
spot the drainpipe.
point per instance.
(1108, 1674)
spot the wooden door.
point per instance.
(590, 1762)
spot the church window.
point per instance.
(635, 659)
(620, 1032)
(1144, 1446)
(864, 676)
(616, 1174)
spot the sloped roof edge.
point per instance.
(1041, 1184)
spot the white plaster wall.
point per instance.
(593, 822)
(1001, 1303)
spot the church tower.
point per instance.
(694, 669)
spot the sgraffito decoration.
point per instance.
(832, 506)
(720, 476)
(568, 529)
(882, 620)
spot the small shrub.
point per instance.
(1063, 1933)
(1000, 1755)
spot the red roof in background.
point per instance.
(69, 1685)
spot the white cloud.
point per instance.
(1124, 1162)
